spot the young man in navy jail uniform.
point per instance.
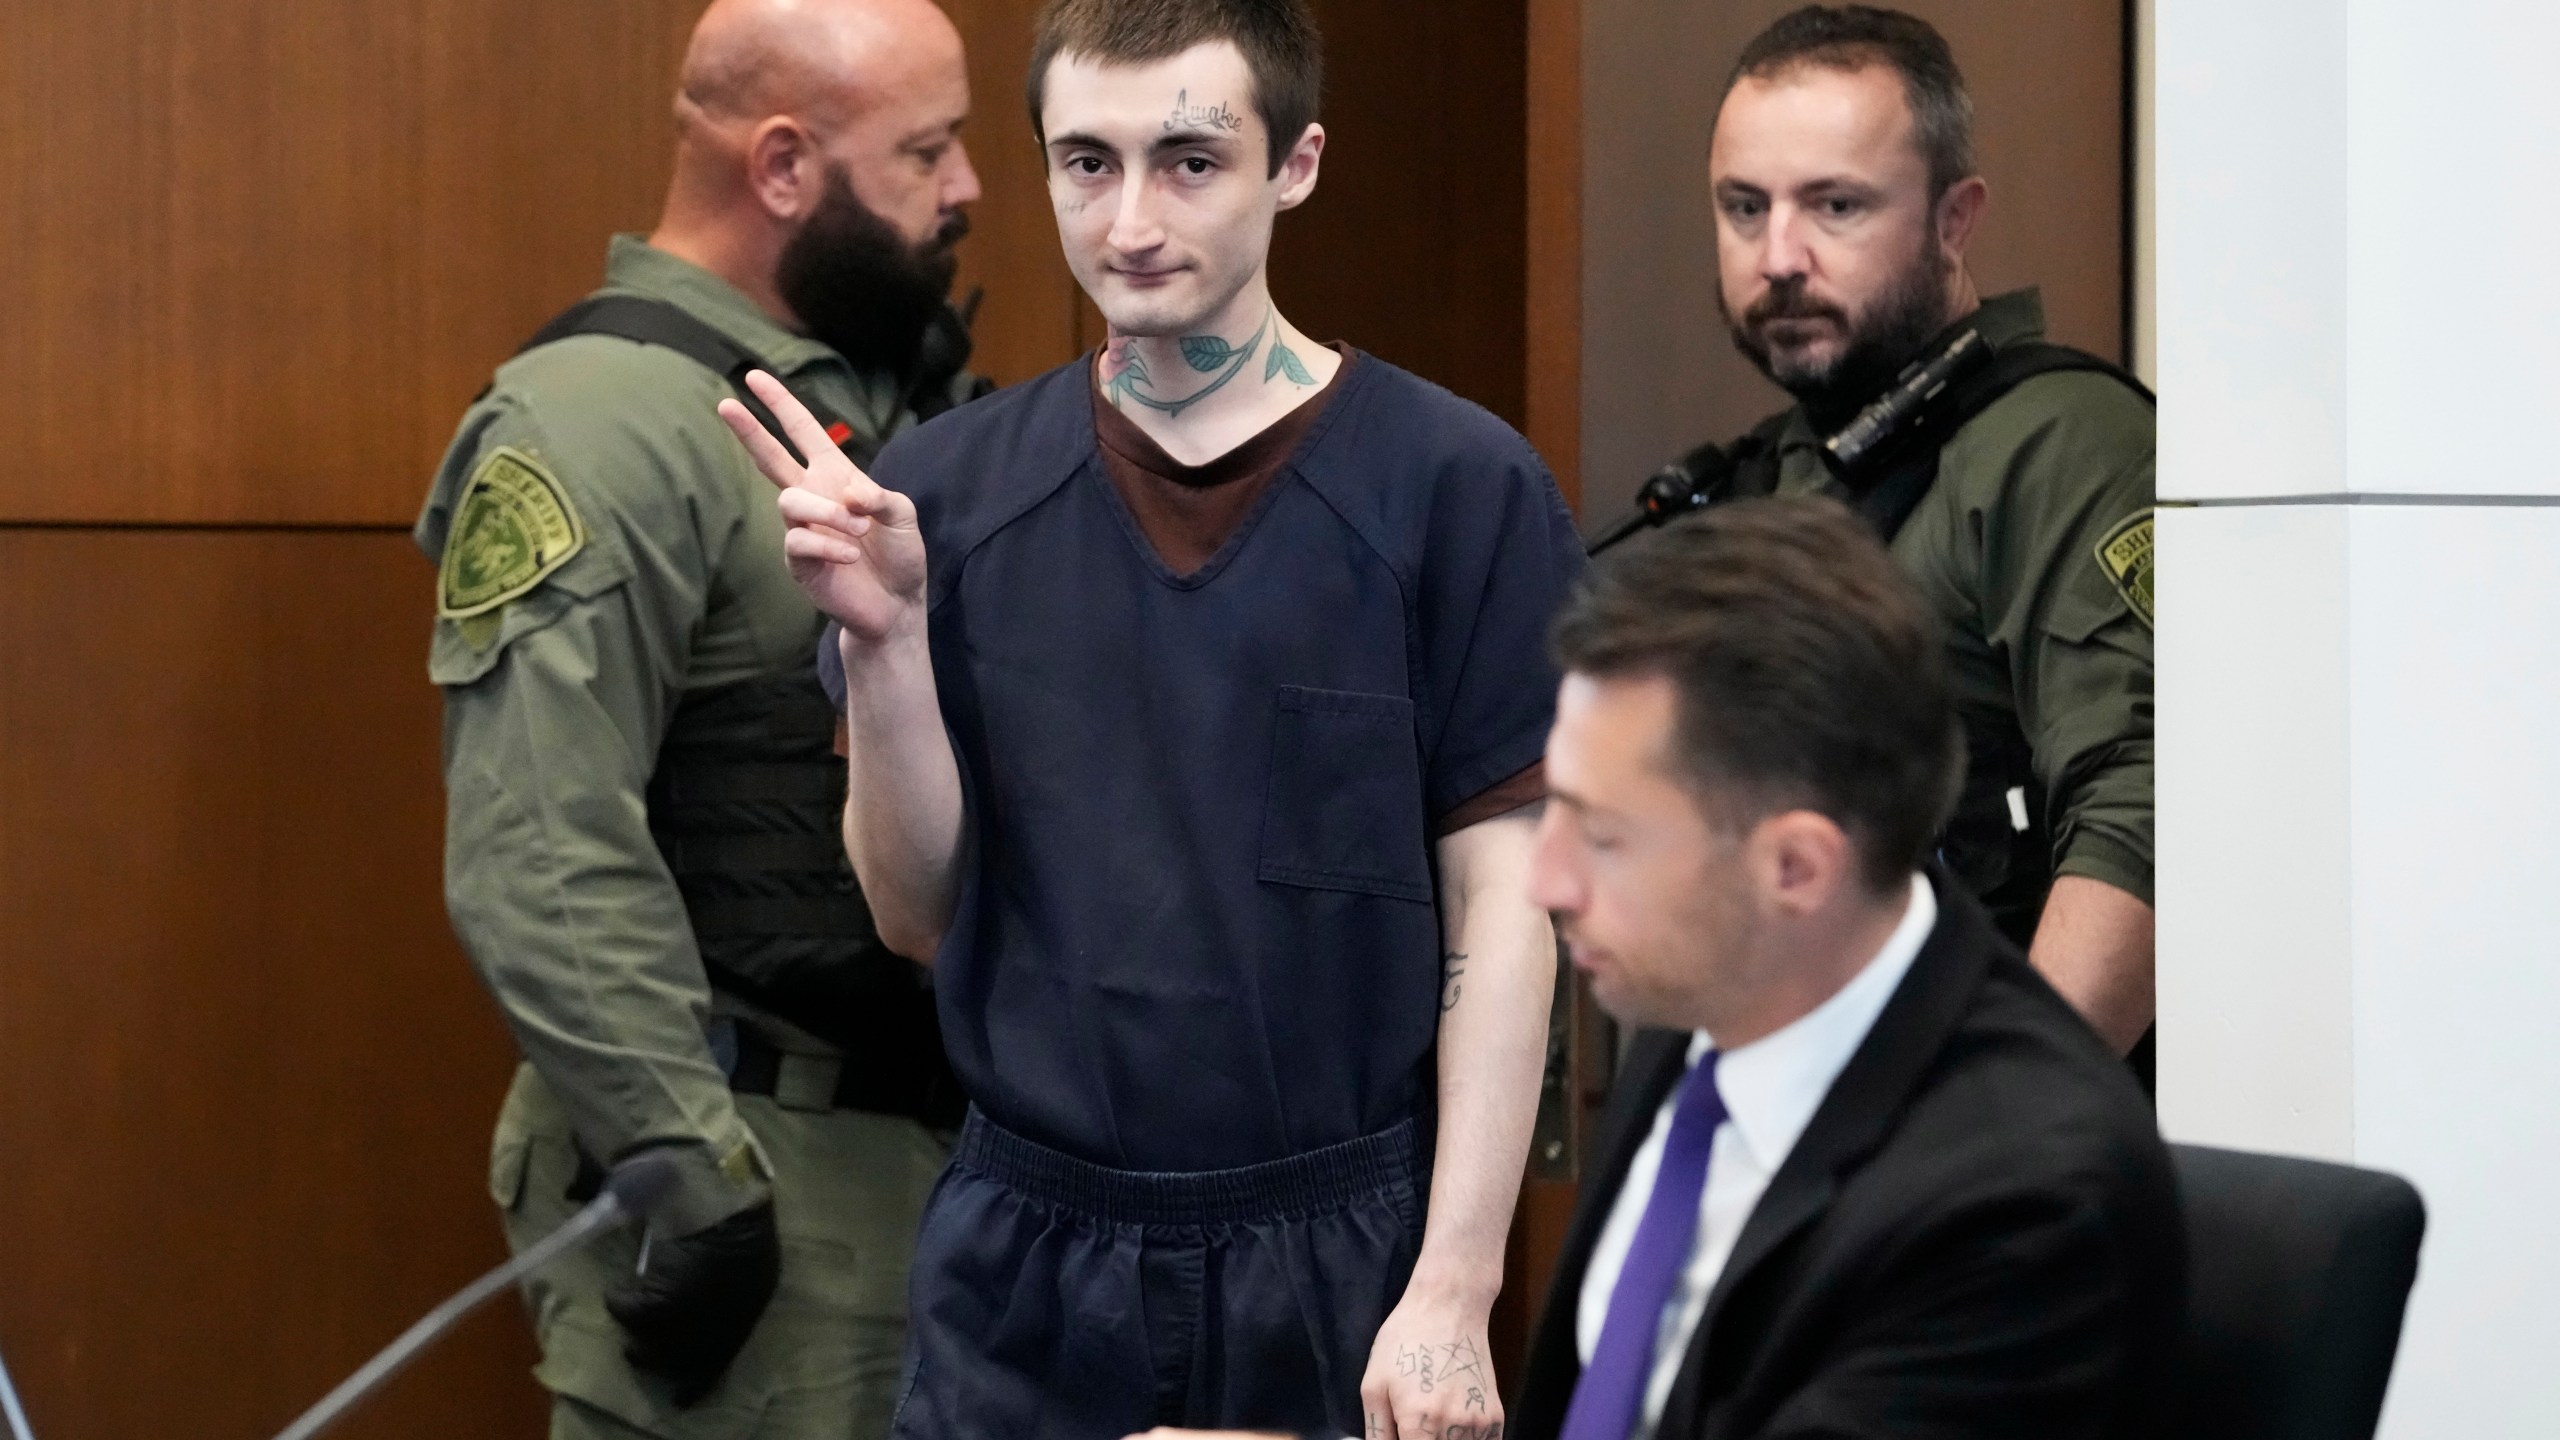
(1196, 701)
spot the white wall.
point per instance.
(2360, 639)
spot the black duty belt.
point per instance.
(903, 1085)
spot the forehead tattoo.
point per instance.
(1188, 115)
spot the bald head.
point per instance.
(750, 59)
(782, 100)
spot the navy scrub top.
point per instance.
(1197, 927)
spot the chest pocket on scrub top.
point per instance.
(1344, 808)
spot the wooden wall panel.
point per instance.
(1552, 366)
(246, 1076)
(1414, 246)
(262, 251)
(1552, 339)
(1030, 319)
(269, 248)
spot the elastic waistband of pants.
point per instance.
(1312, 1183)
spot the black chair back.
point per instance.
(2298, 1272)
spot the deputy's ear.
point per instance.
(784, 168)
(1800, 860)
(1298, 170)
(1960, 211)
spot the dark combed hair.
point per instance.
(1282, 49)
(1810, 674)
(1852, 37)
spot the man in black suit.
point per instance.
(1866, 1174)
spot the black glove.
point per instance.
(690, 1312)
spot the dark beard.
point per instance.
(857, 284)
(1903, 319)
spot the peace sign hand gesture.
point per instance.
(853, 545)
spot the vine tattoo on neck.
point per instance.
(1208, 355)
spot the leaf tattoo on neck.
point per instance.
(1210, 353)
(1207, 354)
(1285, 361)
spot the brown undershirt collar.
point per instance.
(1189, 512)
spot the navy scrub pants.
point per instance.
(1058, 1300)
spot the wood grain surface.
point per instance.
(1414, 246)
(262, 252)
(246, 1076)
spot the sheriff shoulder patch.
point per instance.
(2126, 557)
(512, 528)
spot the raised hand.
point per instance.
(853, 545)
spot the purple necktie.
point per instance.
(1611, 1395)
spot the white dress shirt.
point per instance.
(1771, 1088)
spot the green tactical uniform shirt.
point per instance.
(613, 550)
(2034, 549)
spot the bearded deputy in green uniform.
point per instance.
(642, 853)
(1845, 193)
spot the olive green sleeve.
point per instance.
(553, 713)
(2076, 628)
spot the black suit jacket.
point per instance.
(1978, 1234)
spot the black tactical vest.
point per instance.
(2009, 868)
(747, 804)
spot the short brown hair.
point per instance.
(1810, 673)
(1282, 50)
(1852, 37)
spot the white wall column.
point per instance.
(2359, 702)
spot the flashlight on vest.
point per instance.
(1898, 411)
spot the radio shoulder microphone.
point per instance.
(1685, 486)
(636, 1187)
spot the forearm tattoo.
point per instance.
(1453, 974)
